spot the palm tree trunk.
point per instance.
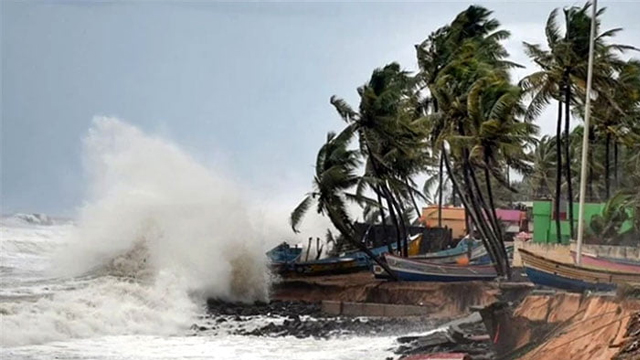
(403, 229)
(413, 199)
(494, 226)
(405, 232)
(384, 220)
(590, 164)
(392, 213)
(615, 164)
(567, 144)
(440, 191)
(454, 196)
(470, 204)
(558, 171)
(607, 175)
(487, 179)
(482, 211)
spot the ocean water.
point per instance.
(102, 316)
(157, 235)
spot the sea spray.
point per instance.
(158, 233)
(146, 193)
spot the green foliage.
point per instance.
(463, 104)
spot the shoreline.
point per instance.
(540, 324)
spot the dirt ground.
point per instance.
(584, 327)
(442, 299)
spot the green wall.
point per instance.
(544, 227)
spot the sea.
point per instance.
(128, 275)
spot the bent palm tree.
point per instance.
(335, 175)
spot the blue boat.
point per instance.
(544, 278)
(283, 256)
(328, 266)
(480, 256)
(464, 248)
(414, 270)
(362, 259)
(547, 272)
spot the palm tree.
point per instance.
(543, 172)
(439, 50)
(335, 175)
(390, 139)
(498, 138)
(563, 76)
(611, 108)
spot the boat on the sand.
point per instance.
(547, 272)
(282, 256)
(328, 266)
(464, 249)
(413, 270)
(607, 263)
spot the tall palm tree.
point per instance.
(390, 139)
(563, 77)
(544, 171)
(335, 175)
(439, 50)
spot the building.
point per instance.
(452, 218)
(513, 221)
(544, 224)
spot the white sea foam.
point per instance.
(157, 234)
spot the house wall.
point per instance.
(452, 217)
(544, 226)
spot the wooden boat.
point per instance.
(412, 270)
(364, 262)
(283, 256)
(328, 266)
(451, 256)
(480, 256)
(603, 263)
(547, 272)
(284, 253)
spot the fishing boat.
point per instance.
(547, 272)
(413, 270)
(605, 263)
(283, 256)
(480, 255)
(328, 266)
(451, 256)
(365, 262)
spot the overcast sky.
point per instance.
(242, 86)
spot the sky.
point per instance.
(241, 86)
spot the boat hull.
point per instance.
(547, 272)
(556, 281)
(330, 267)
(412, 270)
(607, 264)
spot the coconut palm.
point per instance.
(563, 76)
(390, 139)
(335, 175)
(544, 172)
(440, 50)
